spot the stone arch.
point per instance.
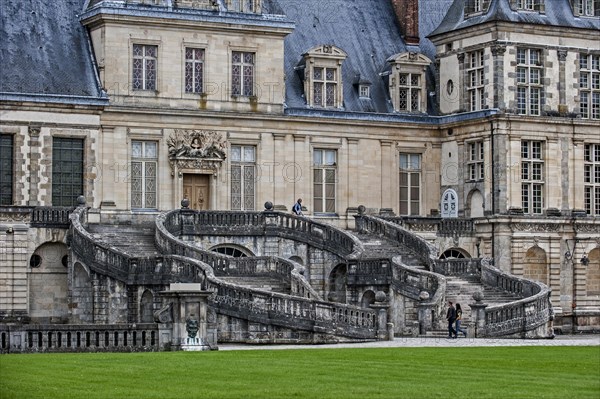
(147, 307)
(455, 253)
(297, 259)
(48, 282)
(450, 204)
(535, 265)
(82, 300)
(476, 204)
(337, 283)
(368, 298)
(592, 280)
(234, 250)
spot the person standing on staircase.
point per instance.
(458, 319)
(451, 317)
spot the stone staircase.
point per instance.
(134, 240)
(264, 283)
(381, 247)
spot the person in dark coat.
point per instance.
(451, 317)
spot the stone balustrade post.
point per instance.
(424, 313)
(383, 327)
(478, 315)
(186, 216)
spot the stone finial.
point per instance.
(380, 296)
(185, 203)
(478, 296)
(362, 209)
(423, 296)
(268, 206)
(81, 200)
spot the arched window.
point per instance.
(593, 273)
(232, 250)
(450, 204)
(337, 284)
(455, 253)
(368, 299)
(147, 307)
(535, 265)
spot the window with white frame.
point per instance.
(364, 91)
(529, 81)
(475, 163)
(144, 67)
(409, 92)
(592, 179)
(247, 6)
(144, 159)
(526, 5)
(587, 8)
(242, 73)
(325, 87)
(243, 177)
(476, 6)
(410, 184)
(532, 177)
(194, 70)
(475, 80)
(589, 86)
(324, 180)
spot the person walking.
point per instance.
(297, 208)
(451, 317)
(458, 319)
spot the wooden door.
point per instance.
(196, 188)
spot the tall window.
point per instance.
(242, 73)
(589, 86)
(529, 81)
(143, 174)
(6, 169)
(592, 179)
(532, 177)
(67, 171)
(144, 67)
(325, 82)
(243, 177)
(475, 80)
(410, 184)
(324, 179)
(409, 92)
(475, 163)
(194, 70)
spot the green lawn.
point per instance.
(497, 372)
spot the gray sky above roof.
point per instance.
(557, 12)
(44, 49)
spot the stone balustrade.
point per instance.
(39, 216)
(457, 267)
(441, 226)
(29, 338)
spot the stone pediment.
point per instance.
(409, 58)
(196, 149)
(326, 51)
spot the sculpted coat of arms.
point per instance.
(196, 149)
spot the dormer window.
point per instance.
(247, 6)
(407, 82)
(586, 8)
(476, 6)
(364, 91)
(323, 77)
(528, 5)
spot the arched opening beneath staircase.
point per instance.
(48, 281)
(367, 299)
(337, 284)
(455, 253)
(147, 307)
(297, 259)
(593, 274)
(236, 251)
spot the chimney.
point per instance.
(407, 15)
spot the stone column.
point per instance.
(563, 109)
(34, 165)
(498, 51)
(387, 176)
(382, 305)
(478, 313)
(424, 313)
(461, 81)
(281, 197)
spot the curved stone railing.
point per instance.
(457, 267)
(298, 228)
(426, 252)
(183, 265)
(524, 316)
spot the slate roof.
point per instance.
(45, 54)
(365, 29)
(557, 13)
